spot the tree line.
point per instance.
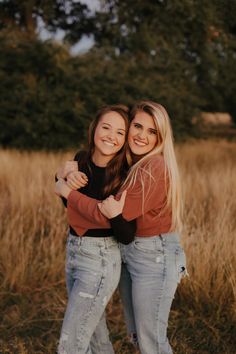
(179, 53)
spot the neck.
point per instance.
(100, 160)
(136, 158)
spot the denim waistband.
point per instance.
(95, 241)
(169, 237)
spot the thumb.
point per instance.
(123, 196)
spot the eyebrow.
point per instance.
(152, 129)
(110, 126)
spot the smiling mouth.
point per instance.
(139, 143)
(108, 143)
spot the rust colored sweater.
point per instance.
(150, 214)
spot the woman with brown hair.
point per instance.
(93, 257)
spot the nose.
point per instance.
(142, 134)
(111, 135)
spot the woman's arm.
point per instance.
(124, 231)
(62, 189)
(62, 173)
(148, 192)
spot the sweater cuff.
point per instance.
(116, 220)
(73, 198)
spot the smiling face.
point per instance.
(142, 136)
(109, 137)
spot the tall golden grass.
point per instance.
(32, 245)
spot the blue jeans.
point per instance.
(92, 274)
(151, 270)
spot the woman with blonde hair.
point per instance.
(153, 264)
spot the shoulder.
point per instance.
(152, 171)
(156, 160)
(154, 164)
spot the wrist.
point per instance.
(117, 217)
(113, 215)
(66, 191)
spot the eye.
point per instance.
(137, 125)
(153, 132)
(105, 127)
(121, 133)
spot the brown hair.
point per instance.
(117, 168)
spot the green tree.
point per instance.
(187, 47)
(39, 102)
(24, 15)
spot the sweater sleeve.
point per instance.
(124, 231)
(149, 192)
(85, 211)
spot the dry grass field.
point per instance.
(32, 245)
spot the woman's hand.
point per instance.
(111, 207)
(61, 188)
(66, 168)
(76, 180)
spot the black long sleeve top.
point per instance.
(122, 230)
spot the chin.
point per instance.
(109, 153)
(137, 151)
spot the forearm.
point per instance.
(86, 208)
(64, 200)
(61, 188)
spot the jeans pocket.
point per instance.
(147, 246)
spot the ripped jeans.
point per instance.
(151, 270)
(93, 267)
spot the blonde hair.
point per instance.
(164, 147)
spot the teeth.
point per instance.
(140, 143)
(108, 143)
